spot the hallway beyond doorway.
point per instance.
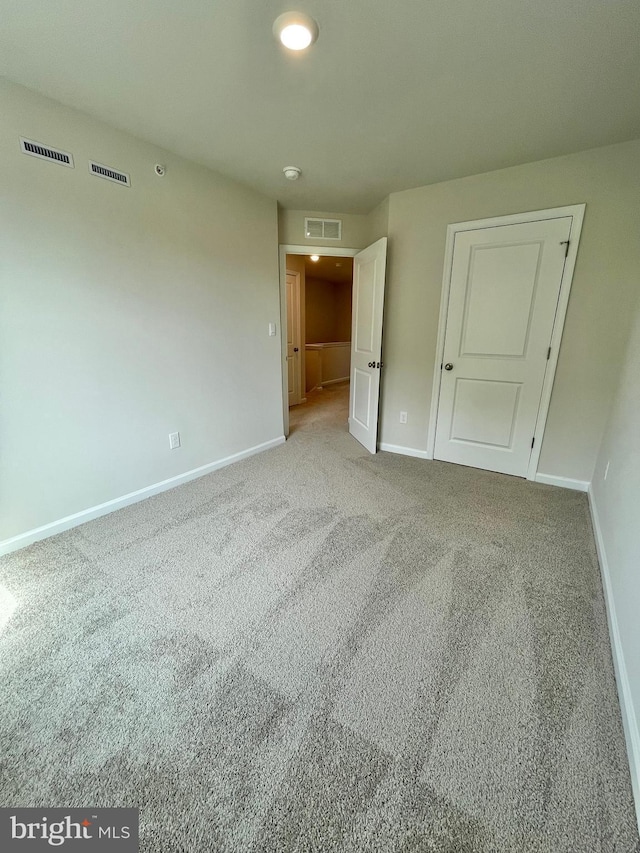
(325, 409)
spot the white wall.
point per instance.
(598, 319)
(378, 222)
(358, 230)
(616, 509)
(355, 229)
(126, 314)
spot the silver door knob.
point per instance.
(448, 366)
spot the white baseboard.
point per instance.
(334, 381)
(629, 719)
(404, 451)
(24, 539)
(562, 482)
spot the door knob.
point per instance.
(295, 349)
(371, 364)
(448, 366)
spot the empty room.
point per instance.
(320, 426)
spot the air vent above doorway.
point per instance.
(323, 229)
(109, 174)
(46, 152)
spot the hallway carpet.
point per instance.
(321, 650)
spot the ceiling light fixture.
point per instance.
(314, 258)
(292, 173)
(295, 30)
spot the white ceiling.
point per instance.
(392, 95)
(336, 270)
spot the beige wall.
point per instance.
(126, 314)
(597, 324)
(355, 229)
(379, 222)
(617, 508)
(343, 312)
(328, 311)
(358, 231)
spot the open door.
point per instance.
(369, 267)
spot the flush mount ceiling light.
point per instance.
(295, 30)
(292, 173)
(314, 258)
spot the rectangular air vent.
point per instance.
(109, 174)
(323, 229)
(46, 152)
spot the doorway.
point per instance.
(505, 294)
(365, 353)
(318, 325)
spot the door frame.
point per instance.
(298, 391)
(576, 212)
(285, 249)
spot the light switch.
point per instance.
(272, 330)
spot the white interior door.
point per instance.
(505, 283)
(293, 337)
(366, 342)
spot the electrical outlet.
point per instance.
(606, 471)
(403, 417)
(174, 440)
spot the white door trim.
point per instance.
(576, 212)
(329, 251)
(285, 249)
(298, 395)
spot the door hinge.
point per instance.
(566, 244)
(548, 353)
(533, 441)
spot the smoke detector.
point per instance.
(292, 173)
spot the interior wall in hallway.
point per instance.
(328, 311)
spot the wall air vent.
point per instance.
(46, 152)
(109, 174)
(323, 229)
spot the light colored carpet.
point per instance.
(321, 650)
